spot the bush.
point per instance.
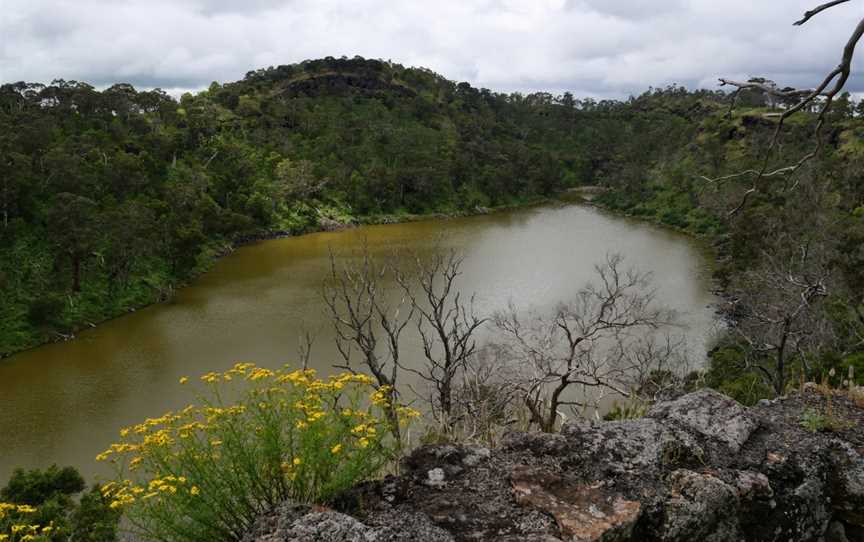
(38, 506)
(631, 409)
(46, 311)
(815, 421)
(727, 374)
(36, 487)
(208, 471)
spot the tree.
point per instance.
(296, 179)
(584, 344)
(447, 326)
(362, 317)
(73, 227)
(13, 168)
(52, 492)
(774, 309)
(821, 98)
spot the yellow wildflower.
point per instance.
(336, 449)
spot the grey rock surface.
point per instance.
(700, 467)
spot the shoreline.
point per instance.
(577, 195)
(229, 247)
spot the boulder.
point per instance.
(709, 414)
(583, 513)
(700, 467)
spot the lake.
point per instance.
(63, 403)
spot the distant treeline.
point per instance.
(109, 199)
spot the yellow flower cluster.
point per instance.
(291, 406)
(23, 532)
(127, 492)
(8, 508)
(382, 395)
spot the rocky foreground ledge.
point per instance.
(700, 468)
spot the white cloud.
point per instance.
(597, 47)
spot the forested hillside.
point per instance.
(110, 199)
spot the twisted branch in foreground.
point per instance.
(828, 89)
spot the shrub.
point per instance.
(16, 524)
(208, 471)
(36, 486)
(814, 421)
(38, 506)
(46, 311)
(631, 409)
(727, 374)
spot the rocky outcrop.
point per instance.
(701, 468)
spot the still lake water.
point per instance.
(63, 403)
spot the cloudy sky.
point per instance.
(603, 48)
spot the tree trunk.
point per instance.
(76, 273)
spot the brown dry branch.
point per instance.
(775, 311)
(362, 318)
(586, 344)
(821, 97)
(447, 325)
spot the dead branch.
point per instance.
(584, 345)
(827, 90)
(813, 12)
(447, 326)
(356, 304)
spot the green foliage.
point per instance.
(816, 421)
(110, 199)
(36, 486)
(727, 374)
(43, 501)
(631, 409)
(46, 310)
(257, 438)
(813, 421)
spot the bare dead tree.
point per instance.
(657, 365)
(363, 320)
(486, 398)
(447, 325)
(582, 344)
(821, 98)
(774, 310)
(304, 347)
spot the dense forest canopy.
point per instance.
(110, 199)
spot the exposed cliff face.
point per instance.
(698, 468)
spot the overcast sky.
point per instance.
(603, 48)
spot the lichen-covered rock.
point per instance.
(700, 467)
(327, 527)
(848, 483)
(288, 524)
(700, 507)
(270, 526)
(583, 513)
(709, 414)
(401, 525)
(628, 447)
